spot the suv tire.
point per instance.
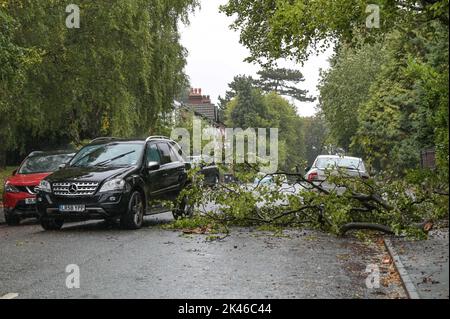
(134, 217)
(52, 223)
(185, 210)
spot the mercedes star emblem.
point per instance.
(73, 188)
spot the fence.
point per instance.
(428, 158)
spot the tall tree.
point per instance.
(15, 61)
(240, 83)
(405, 109)
(284, 82)
(115, 75)
(345, 87)
(315, 132)
(250, 107)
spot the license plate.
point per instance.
(30, 201)
(72, 208)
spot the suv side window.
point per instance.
(174, 155)
(178, 151)
(166, 155)
(153, 154)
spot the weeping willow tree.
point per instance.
(116, 74)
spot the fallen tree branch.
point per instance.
(425, 226)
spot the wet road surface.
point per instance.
(157, 263)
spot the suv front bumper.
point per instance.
(99, 206)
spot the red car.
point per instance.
(19, 195)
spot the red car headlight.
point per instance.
(10, 188)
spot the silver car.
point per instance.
(329, 164)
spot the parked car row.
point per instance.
(122, 179)
(110, 179)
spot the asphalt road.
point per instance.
(157, 263)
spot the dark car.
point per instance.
(19, 195)
(116, 179)
(207, 167)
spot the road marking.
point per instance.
(11, 295)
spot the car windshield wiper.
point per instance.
(83, 157)
(114, 158)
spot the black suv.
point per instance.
(116, 179)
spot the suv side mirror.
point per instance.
(61, 166)
(153, 166)
(14, 172)
(307, 168)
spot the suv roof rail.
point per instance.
(98, 139)
(157, 137)
(35, 153)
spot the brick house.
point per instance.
(202, 106)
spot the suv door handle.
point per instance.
(165, 174)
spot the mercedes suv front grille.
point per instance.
(74, 188)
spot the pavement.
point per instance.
(427, 263)
(156, 263)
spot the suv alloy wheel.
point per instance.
(134, 217)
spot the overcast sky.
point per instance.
(216, 56)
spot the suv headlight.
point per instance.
(45, 186)
(116, 184)
(10, 188)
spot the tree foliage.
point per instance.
(402, 207)
(250, 106)
(284, 82)
(273, 29)
(345, 87)
(394, 102)
(385, 98)
(115, 75)
(400, 117)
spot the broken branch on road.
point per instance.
(338, 205)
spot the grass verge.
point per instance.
(4, 174)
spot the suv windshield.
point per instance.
(43, 163)
(113, 154)
(329, 162)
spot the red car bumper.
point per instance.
(18, 204)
